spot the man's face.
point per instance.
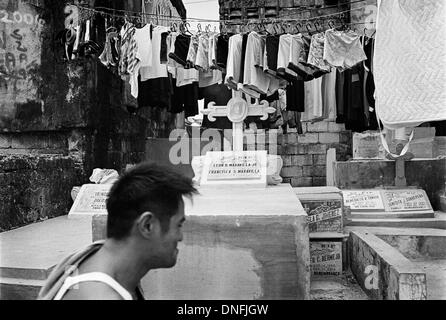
(166, 242)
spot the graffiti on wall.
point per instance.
(20, 53)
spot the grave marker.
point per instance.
(363, 200)
(91, 200)
(235, 168)
(406, 200)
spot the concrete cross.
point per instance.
(237, 111)
(400, 176)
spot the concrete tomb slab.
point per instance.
(424, 248)
(238, 244)
(382, 271)
(28, 254)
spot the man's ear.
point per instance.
(145, 224)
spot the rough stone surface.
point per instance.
(35, 188)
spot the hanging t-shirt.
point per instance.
(186, 76)
(329, 95)
(202, 60)
(254, 77)
(283, 59)
(295, 95)
(233, 65)
(313, 100)
(156, 70)
(222, 50)
(144, 40)
(210, 78)
(271, 54)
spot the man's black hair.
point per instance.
(147, 187)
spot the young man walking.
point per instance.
(145, 215)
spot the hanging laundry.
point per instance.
(300, 48)
(271, 54)
(185, 99)
(295, 96)
(313, 100)
(192, 52)
(369, 85)
(180, 49)
(222, 51)
(143, 39)
(343, 49)
(354, 116)
(316, 53)
(283, 58)
(157, 69)
(202, 60)
(233, 67)
(156, 92)
(329, 95)
(212, 55)
(254, 77)
(128, 60)
(210, 78)
(340, 80)
(186, 76)
(164, 52)
(110, 55)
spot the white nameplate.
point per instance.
(368, 200)
(235, 168)
(406, 200)
(91, 200)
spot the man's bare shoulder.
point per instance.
(92, 291)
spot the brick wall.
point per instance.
(304, 156)
(292, 9)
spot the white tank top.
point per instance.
(93, 277)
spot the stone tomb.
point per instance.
(237, 245)
(388, 203)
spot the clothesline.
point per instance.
(138, 15)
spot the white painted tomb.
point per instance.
(243, 240)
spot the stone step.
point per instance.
(19, 289)
(439, 222)
(393, 215)
(24, 273)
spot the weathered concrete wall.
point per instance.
(418, 246)
(51, 106)
(382, 271)
(248, 249)
(247, 258)
(35, 188)
(429, 175)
